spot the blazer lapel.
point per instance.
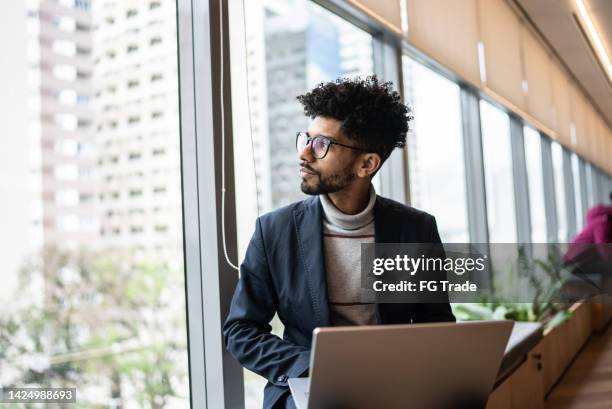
(308, 224)
(384, 229)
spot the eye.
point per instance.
(320, 143)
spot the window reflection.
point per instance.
(497, 157)
(591, 185)
(580, 212)
(557, 161)
(435, 150)
(535, 180)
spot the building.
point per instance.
(61, 123)
(137, 128)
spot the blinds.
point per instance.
(387, 12)
(454, 41)
(561, 104)
(514, 65)
(599, 138)
(501, 36)
(538, 74)
(579, 119)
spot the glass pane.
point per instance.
(580, 212)
(437, 176)
(497, 157)
(291, 46)
(535, 180)
(557, 160)
(93, 280)
(591, 187)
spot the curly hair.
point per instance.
(371, 112)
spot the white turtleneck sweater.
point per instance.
(342, 238)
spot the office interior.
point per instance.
(143, 138)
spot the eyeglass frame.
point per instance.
(310, 138)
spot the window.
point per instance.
(66, 121)
(136, 229)
(68, 223)
(135, 193)
(65, 72)
(84, 123)
(64, 47)
(580, 212)
(82, 4)
(437, 175)
(591, 185)
(96, 291)
(535, 181)
(67, 97)
(68, 197)
(67, 171)
(83, 51)
(317, 46)
(82, 99)
(557, 160)
(497, 157)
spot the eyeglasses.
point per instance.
(319, 145)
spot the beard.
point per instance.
(328, 184)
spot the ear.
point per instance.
(368, 164)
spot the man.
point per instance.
(303, 261)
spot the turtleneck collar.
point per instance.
(348, 221)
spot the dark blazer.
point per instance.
(284, 272)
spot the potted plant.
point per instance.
(567, 325)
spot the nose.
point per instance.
(305, 155)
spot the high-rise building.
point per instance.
(301, 50)
(61, 122)
(100, 100)
(355, 50)
(137, 124)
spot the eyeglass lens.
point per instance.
(318, 145)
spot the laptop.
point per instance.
(423, 366)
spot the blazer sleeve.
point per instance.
(438, 311)
(247, 328)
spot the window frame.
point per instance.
(210, 280)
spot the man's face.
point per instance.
(333, 172)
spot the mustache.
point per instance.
(306, 166)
